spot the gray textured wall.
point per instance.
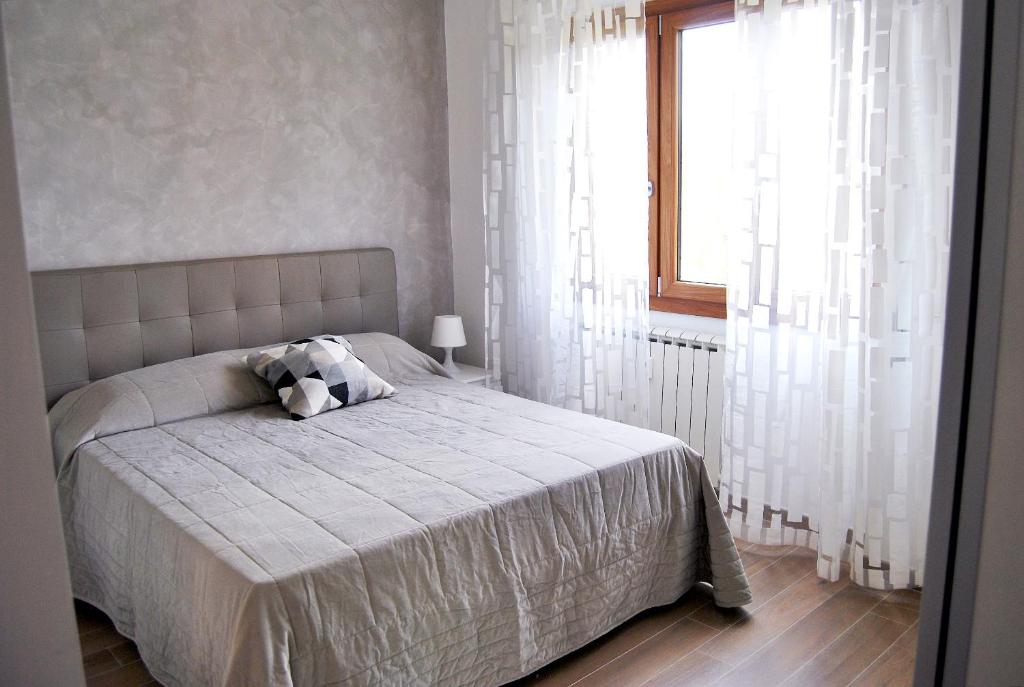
(151, 130)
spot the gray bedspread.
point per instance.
(450, 535)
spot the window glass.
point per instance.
(705, 68)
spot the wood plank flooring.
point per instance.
(799, 631)
(110, 660)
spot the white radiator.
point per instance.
(687, 390)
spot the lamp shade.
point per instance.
(448, 332)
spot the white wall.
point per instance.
(465, 26)
(997, 636)
(38, 641)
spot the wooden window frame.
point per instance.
(665, 18)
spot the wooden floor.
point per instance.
(110, 659)
(798, 631)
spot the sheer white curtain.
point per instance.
(846, 116)
(565, 170)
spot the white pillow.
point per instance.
(312, 376)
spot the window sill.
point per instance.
(695, 323)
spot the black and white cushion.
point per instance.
(315, 375)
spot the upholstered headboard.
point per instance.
(97, 322)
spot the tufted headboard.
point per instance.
(97, 322)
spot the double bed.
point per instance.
(447, 535)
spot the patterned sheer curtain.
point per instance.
(565, 171)
(846, 112)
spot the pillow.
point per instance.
(152, 396)
(392, 358)
(312, 376)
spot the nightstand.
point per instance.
(467, 374)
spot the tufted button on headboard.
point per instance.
(98, 322)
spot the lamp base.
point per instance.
(449, 362)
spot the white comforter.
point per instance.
(450, 535)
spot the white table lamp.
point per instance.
(448, 334)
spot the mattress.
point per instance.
(449, 535)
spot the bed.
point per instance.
(448, 535)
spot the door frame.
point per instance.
(990, 40)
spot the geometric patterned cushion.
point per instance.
(312, 376)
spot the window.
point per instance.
(690, 61)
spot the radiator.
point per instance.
(687, 388)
